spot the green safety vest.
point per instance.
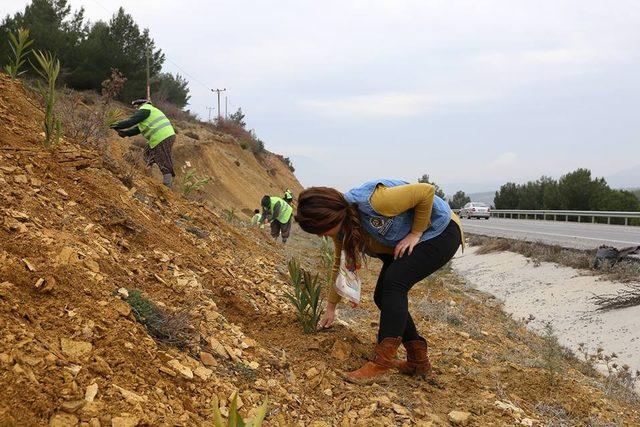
(156, 128)
(288, 195)
(285, 209)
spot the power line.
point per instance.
(187, 74)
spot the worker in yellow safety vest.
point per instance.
(279, 214)
(160, 135)
(256, 220)
(288, 196)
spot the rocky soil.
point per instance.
(75, 242)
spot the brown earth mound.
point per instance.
(75, 243)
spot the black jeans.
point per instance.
(398, 276)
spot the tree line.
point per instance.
(89, 51)
(576, 190)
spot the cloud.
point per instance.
(391, 104)
(505, 160)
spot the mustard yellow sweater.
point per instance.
(392, 201)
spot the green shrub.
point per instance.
(305, 297)
(244, 145)
(18, 43)
(169, 328)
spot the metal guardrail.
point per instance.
(544, 214)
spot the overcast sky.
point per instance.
(474, 93)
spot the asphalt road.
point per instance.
(565, 234)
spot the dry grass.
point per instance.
(171, 328)
(623, 271)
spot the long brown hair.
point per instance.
(322, 208)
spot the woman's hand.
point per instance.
(328, 317)
(408, 243)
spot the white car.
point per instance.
(475, 210)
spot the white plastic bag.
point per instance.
(347, 282)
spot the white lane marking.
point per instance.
(556, 235)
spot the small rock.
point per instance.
(63, 420)
(459, 418)
(399, 409)
(36, 182)
(73, 406)
(124, 421)
(328, 392)
(101, 366)
(130, 396)
(122, 308)
(28, 265)
(123, 292)
(253, 365)
(92, 265)
(218, 348)
(74, 369)
(67, 256)
(203, 373)
(75, 348)
(207, 359)
(21, 179)
(181, 369)
(529, 422)
(340, 350)
(508, 407)
(91, 392)
(20, 216)
(464, 335)
(61, 192)
(312, 372)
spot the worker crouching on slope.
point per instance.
(288, 196)
(256, 220)
(156, 128)
(406, 226)
(279, 213)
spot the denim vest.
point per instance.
(391, 230)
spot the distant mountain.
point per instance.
(627, 178)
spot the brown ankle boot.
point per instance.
(385, 353)
(417, 359)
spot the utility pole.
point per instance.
(210, 109)
(148, 84)
(225, 108)
(219, 90)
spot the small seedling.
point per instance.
(235, 420)
(19, 44)
(551, 354)
(48, 68)
(191, 182)
(305, 296)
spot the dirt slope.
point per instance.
(238, 178)
(72, 236)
